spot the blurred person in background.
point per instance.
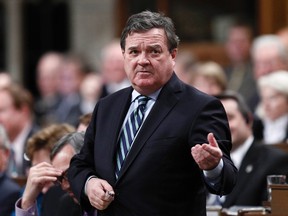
(46, 173)
(84, 121)
(90, 91)
(239, 71)
(38, 150)
(208, 77)
(112, 68)
(254, 159)
(73, 70)
(269, 54)
(9, 190)
(273, 109)
(48, 70)
(17, 117)
(185, 61)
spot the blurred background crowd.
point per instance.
(58, 58)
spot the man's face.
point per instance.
(148, 62)
(267, 60)
(240, 129)
(238, 44)
(9, 115)
(113, 65)
(61, 161)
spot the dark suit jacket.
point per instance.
(51, 201)
(159, 176)
(251, 187)
(22, 171)
(67, 207)
(9, 193)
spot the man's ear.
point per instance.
(174, 53)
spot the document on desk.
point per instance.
(234, 210)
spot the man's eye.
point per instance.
(133, 52)
(155, 51)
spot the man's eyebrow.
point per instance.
(132, 47)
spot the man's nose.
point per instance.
(143, 59)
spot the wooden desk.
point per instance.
(279, 202)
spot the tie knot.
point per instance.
(142, 101)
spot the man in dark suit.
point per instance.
(253, 159)
(10, 191)
(16, 116)
(171, 159)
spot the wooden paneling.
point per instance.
(272, 15)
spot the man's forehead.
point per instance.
(151, 35)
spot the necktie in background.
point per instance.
(12, 167)
(129, 131)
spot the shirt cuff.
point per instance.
(85, 187)
(216, 172)
(31, 211)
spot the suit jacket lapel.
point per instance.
(116, 125)
(167, 99)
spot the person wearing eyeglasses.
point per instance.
(56, 172)
(38, 150)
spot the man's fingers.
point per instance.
(212, 141)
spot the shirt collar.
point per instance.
(238, 154)
(152, 96)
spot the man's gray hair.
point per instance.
(147, 20)
(75, 139)
(271, 41)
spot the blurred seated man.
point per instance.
(112, 68)
(16, 116)
(90, 91)
(46, 173)
(9, 190)
(254, 160)
(239, 69)
(185, 61)
(47, 72)
(269, 54)
(71, 74)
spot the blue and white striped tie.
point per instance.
(129, 131)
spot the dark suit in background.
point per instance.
(251, 188)
(51, 201)
(9, 193)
